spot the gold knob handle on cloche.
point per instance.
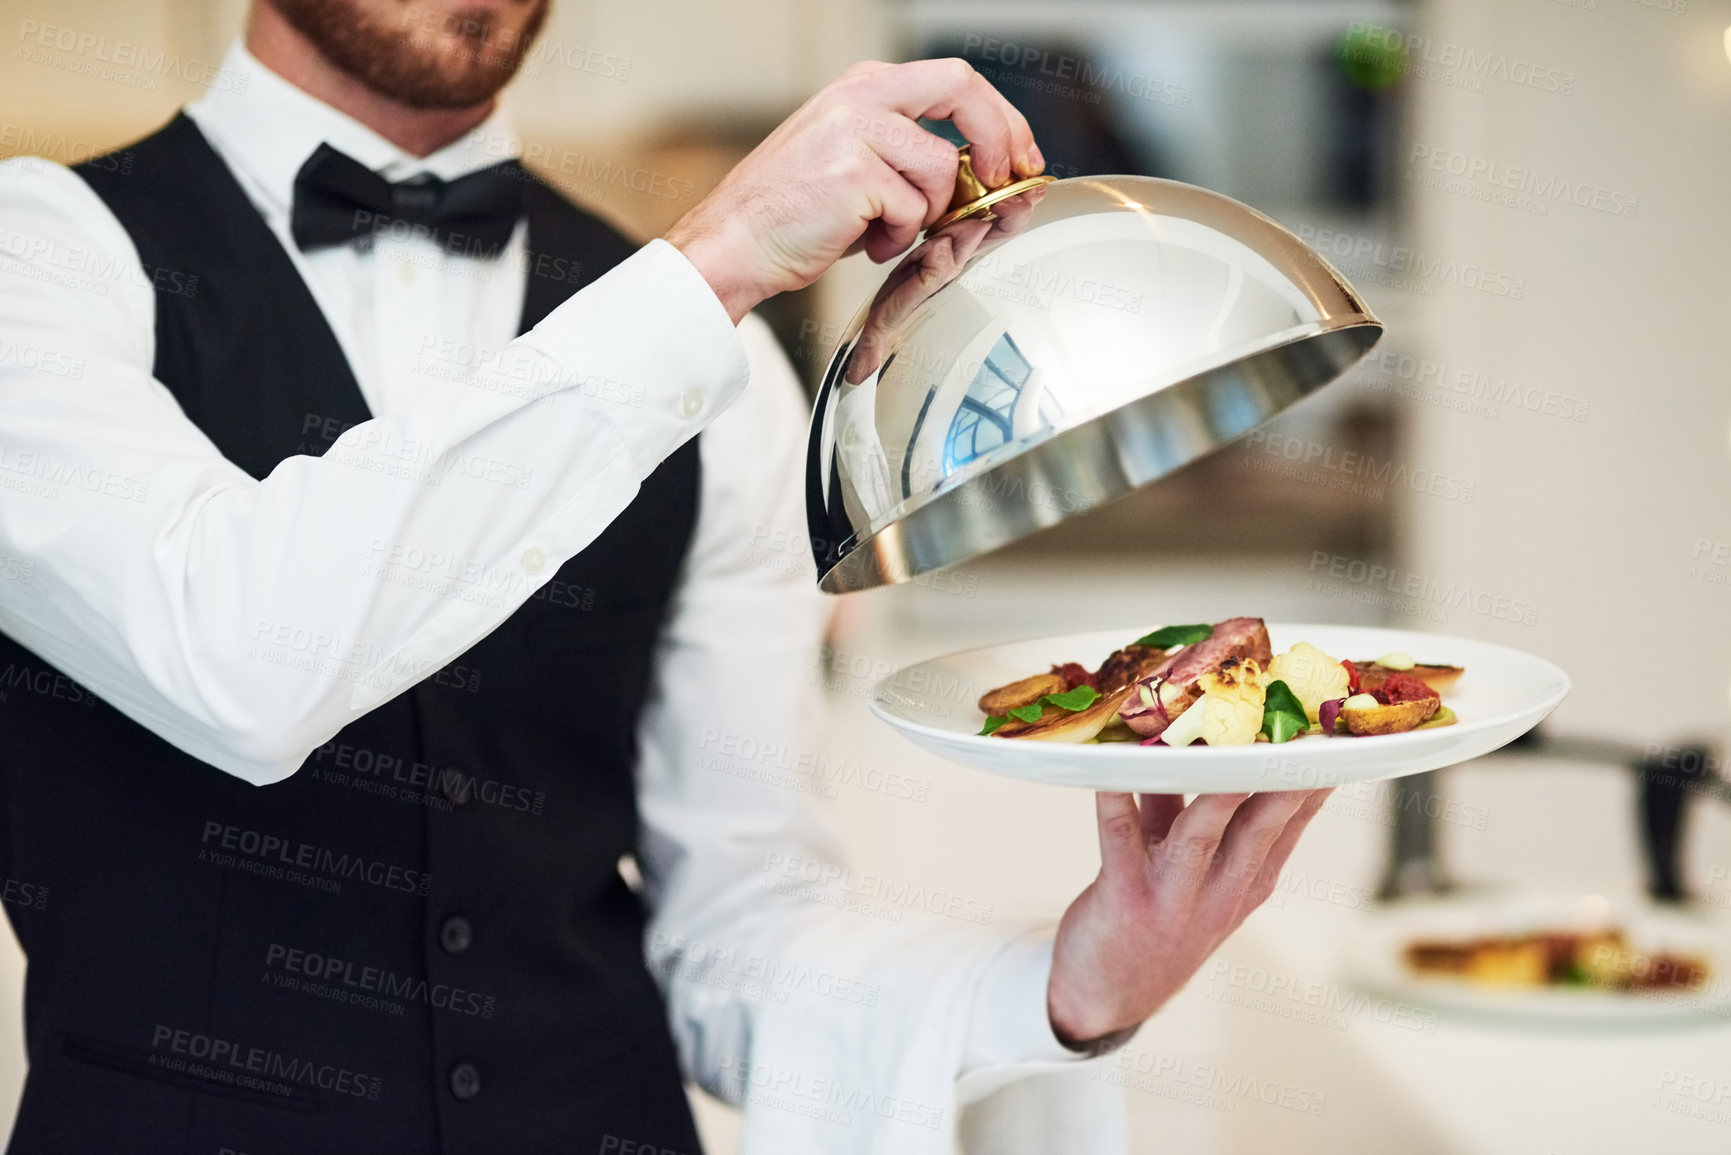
(972, 198)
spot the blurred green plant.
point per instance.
(1371, 56)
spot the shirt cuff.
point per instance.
(1009, 1027)
(681, 361)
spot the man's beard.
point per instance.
(425, 60)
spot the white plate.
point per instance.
(1503, 694)
(1375, 958)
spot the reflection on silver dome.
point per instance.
(1088, 337)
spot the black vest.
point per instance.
(419, 942)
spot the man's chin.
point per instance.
(450, 72)
(467, 7)
(455, 59)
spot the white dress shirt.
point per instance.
(182, 591)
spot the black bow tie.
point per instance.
(337, 198)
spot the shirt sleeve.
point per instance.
(247, 621)
(836, 1025)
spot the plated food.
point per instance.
(1526, 957)
(1598, 959)
(1219, 685)
(933, 703)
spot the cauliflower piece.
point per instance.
(1312, 676)
(1229, 712)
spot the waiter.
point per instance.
(378, 632)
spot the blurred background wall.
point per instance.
(1531, 194)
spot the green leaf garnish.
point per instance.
(1168, 636)
(1073, 700)
(1283, 716)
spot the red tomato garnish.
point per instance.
(1406, 688)
(1352, 684)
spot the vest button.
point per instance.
(465, 1081)
(690, 403)
(452, 786)
(456, 935)
(534, 560)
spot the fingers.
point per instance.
(813, 190)
(1252, 835)
(1188, 851)
(1275, 862)
(1024, 150)
(1158, 813)
(898, 212)
(950, 89)
(925, 159)
(864, 67)
(1123, 854)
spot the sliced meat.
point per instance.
(1170, 688)
(1232, 638)
(1130, 664)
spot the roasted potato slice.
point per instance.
(1023, 693)
(1379, 719)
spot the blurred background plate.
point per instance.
(1503, 694)
(1375, 962)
